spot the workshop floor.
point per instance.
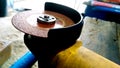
(100, 36)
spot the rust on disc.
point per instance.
(27, 22)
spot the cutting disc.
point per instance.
(27, 22)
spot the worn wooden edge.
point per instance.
(5, 54)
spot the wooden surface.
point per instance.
(5, 51)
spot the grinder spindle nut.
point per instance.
(46, 20)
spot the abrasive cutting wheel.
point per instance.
(28, 22)
(48, 32)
